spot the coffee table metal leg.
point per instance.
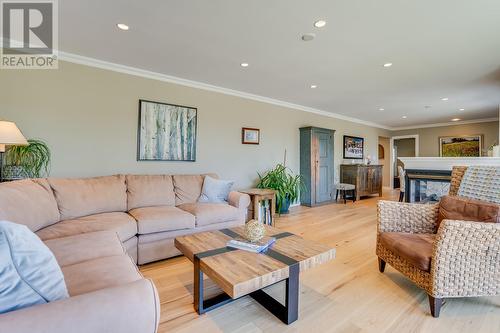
(289, 312)
(200, 304)
(198, 286)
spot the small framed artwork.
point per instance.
(167, 132)
(460, 146)
(250, 136)
(353, 147)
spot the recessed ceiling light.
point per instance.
(461, 109)
(320, 23)
(313, 86)
(455, 119)
(388, 64)
(381, 109)
(308, 37)
(244, 64)
(404, 117)
(122, 26)
(444, 98)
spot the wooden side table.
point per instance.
(257, 195)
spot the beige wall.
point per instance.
(385, 142)
(429, 137)
(405, 147)
(89, 118)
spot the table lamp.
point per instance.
(10, 135)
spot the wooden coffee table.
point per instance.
(239, 273)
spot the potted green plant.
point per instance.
(31, 161)
(285, 183)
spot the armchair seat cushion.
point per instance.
(161, 218)
(209, 213)
(416, 248)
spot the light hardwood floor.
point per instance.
(346, 295)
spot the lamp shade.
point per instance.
(10, 135)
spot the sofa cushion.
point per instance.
(208, 213)
(78, 248)
(87, 196)
(29, 273)
(416, 248)
(187, 188)
(149, 190)
(161, 218)
(121, 223)
(215, 190)
(460, 208)
(100, 273)
(28, 202)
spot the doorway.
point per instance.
(384, 158)
(401, 146)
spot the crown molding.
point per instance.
(451, 123)
(97, 63)
(92, 62)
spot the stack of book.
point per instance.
(264, 214)
(256, 247)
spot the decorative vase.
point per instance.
(254, 231)
(13, 172)
(285, 206)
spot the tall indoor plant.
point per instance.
(285, 183)
(31, 161)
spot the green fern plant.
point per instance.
(287, 185)
(33, 158)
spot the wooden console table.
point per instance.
(257, 195)
(366, 178)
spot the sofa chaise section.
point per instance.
(124, 308)
(101, 278)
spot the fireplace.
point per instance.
(426, 186)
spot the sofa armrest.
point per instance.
(396, 216)
(129, 308)
(239, 200)
(466, 259)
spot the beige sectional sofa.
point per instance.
(91, 225)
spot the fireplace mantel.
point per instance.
(445, 163)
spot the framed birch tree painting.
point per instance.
(167, 132)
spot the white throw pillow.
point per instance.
(215, 190)
(29, 273)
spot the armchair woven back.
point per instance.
(457, 174)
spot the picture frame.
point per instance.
(354, 147)
(250, 136)
(166, 132)
(461, 145)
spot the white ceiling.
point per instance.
(444, 48)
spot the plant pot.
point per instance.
(13, 172)
(285, 206)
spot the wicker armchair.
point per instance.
(455, 258)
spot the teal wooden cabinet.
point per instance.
(316, 165)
